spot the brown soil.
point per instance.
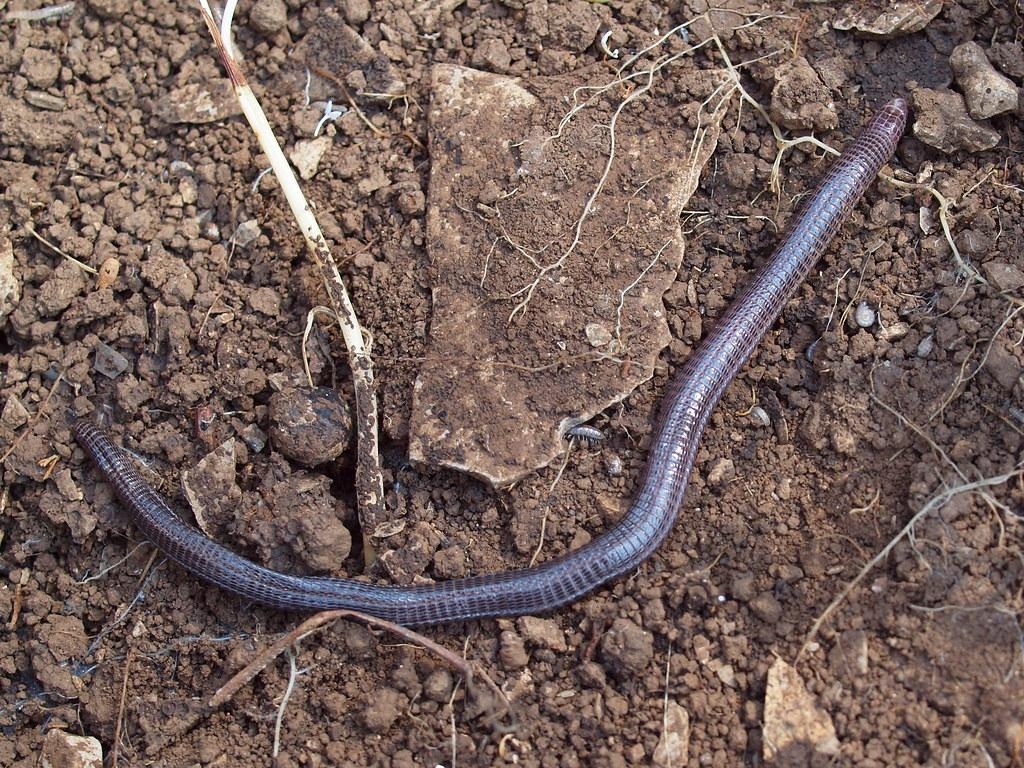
(921, 665)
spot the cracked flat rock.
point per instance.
(543, 316)
(899, 18)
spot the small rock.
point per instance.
(1003, 276)
(795, 727)
(849, 656)
(64, 637)
(355, 11)
(674, 744)
(310, 426)
(701, 649)
(109, 9)
(438, 686)
(925, 346)
(119, 89)
(333, 46)
(492, 54)
(722, 472)
(542, 632)
(986, 92)
(941, 121)
(800, 99)
(843, 440)
(210, 486)
(383, 707)
(626, 648)
(411, 202)
(180, 168)
(450, 562)
(109, 362)
(66, 750)
(246, 233)
(266, 301)
(894, 332)
(40, 67)
(727, 675)
(790, 573)
(198, 103)
(512, 651)
(10, 285)
(1008, 57)
(307, 154)
(767, 608)
(572, 25)
(591, 675)
(15, 414)
(269, 16)
(903, 17)
(597, 334)
(55, 642)
(254, 437)
(374, 179)
(864, 315)
(1003, 365)
(411, 560)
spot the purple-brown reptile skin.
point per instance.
(685, 410)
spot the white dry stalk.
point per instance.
(369, 480)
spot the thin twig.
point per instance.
(115, 750)
(317, 622)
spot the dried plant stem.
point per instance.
(369, 480)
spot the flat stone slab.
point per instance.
(544, 316)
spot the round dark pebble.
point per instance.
(310, 426)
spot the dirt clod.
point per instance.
(310, 426)
(626, 648)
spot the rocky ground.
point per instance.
(152, 277)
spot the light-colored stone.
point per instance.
(10, 285)
(674, 744)
(800, 99)
(306, 155)
(1004, 276)
(941, 121)
(199, 103)
(269, 16)
(903, 17)
(66, 750)
(795, 726)
(986, 92)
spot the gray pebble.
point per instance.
(925, 346)
(760, 416)
(269, 16)
(864, 315)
